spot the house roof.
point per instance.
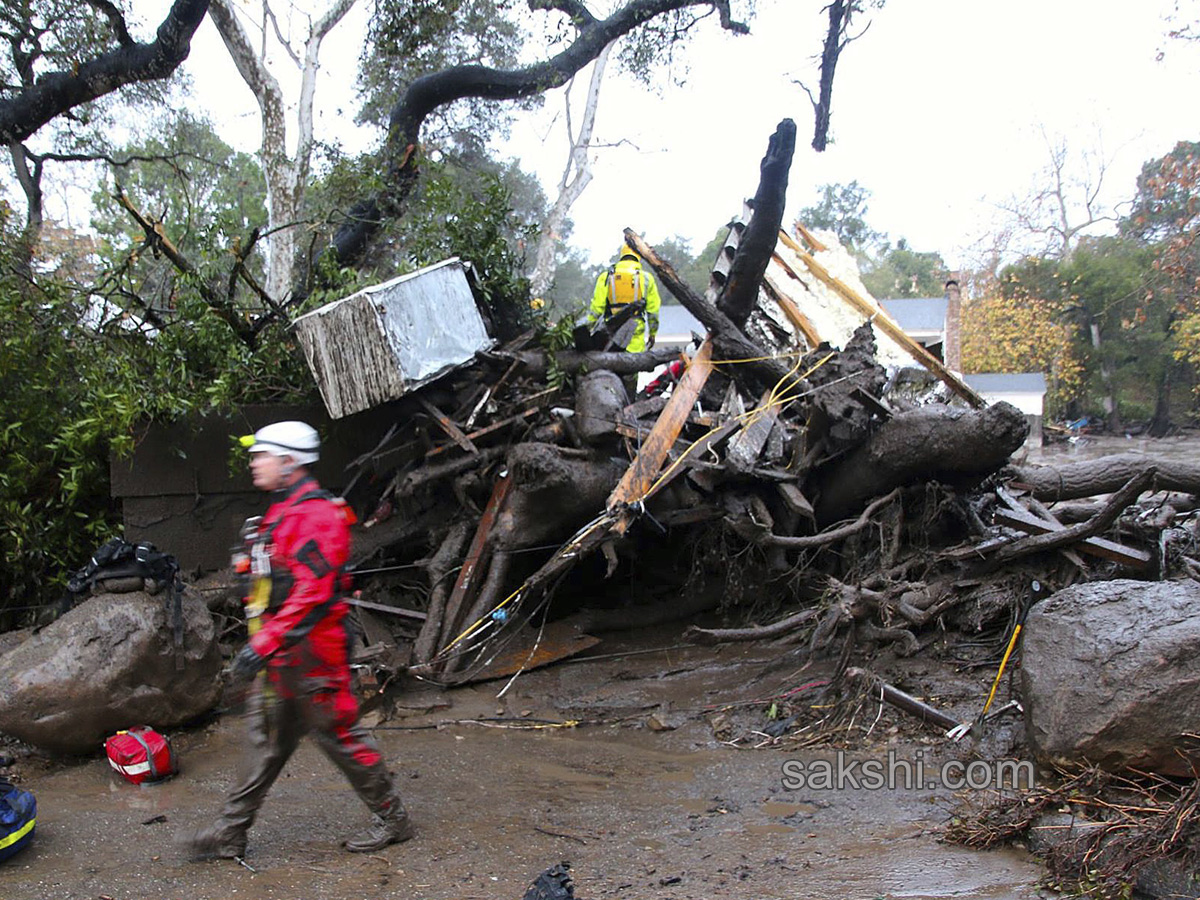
(996, 383)
(917, 315)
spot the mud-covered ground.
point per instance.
(686, 811)
(638, 812)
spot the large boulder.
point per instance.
(1110, 675)
(109, 663)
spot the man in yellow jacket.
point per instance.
(623, 283)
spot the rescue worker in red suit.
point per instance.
(301, 640)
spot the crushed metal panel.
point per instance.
(384, 341)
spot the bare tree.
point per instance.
(286, 176)
(837, 38)
(576, 176)
(1066, 203)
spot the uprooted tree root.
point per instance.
(1109, 828)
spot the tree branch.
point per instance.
(156, 237)
(58, 92)
(429, 92)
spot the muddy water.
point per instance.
(1183, 448)
(638, 813)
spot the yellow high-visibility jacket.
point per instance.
(622, 283)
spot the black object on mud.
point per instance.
(553, 884)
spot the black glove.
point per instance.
(246, 664)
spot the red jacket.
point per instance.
(308, 540)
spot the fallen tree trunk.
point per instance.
(1104, 475)
(739, 297)
(537, 363)
(952, 446)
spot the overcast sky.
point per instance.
(938, 110)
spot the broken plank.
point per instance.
(1041, 512)
(380, 607)
(745, 446)
(883, 321)
(637, 482)
(794, 499)
(448, 426)
(1093, 546)
(464, 585)
(483, 432)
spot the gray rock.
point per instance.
(108, 664)
(1110, 675)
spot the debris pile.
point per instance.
(787, 473)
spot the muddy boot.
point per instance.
(394, 827)
(218, 841)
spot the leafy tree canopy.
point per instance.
(842, 209)
(902, 272)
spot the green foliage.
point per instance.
(54, 505)
(468, 215)
(206, 193)
(1166, 196)
(901, 272)
(842, 209)
(553, 336)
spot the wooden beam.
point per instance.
(394, 610)
(448, 426)
(1093, 546)
(464, 585)
(790, 309)
(483, 432)
(880, 319)
(638, 479)
(809, 238)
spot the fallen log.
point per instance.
(536, 363)
(933, 443)
(1086, 478)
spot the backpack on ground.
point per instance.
(141, 754)
(18, 819)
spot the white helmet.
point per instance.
(294, 439)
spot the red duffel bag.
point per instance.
(141, 754)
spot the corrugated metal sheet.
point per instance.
(384, 341)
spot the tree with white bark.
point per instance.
(287, 173)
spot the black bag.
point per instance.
(120, 559)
